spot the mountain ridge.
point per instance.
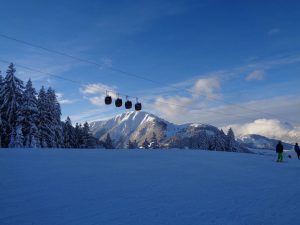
(141, 126)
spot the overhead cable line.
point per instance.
(122, 94)
(130, 74)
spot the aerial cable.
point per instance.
(108, 98)
(128, 73)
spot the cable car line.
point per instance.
(128, 73)
(108, 98)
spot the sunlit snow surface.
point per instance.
(137, 187)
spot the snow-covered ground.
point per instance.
(139, 187)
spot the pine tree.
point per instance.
(17, 139)
(55, 117)
(154, 142)
(78, 132)
(220, 141)
(132, 145)
(68, 134)
(1, 131)
(145, 144)
(135, 144)
(204, 142)
(44, 123)
(2, 124)
(230, 141)
(88, 140)
(129, 144)
(30, 116)
(11, 93)
(108, 144)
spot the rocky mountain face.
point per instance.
(139, 126)
(260, 142)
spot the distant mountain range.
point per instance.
(139, 126)
(261, 142)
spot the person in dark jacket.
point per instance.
(297, 150)
(279, 150)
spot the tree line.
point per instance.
(30, 119)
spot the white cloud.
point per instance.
(206, 87)
(284, 108)
(62, 100)
(90, 90)
(97, 88)
(171, 107)
(272, 128)
(256, 75)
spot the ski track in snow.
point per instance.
(143, 187)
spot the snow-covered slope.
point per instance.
(261, 142)
(86, 187)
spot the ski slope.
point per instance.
(143, 187)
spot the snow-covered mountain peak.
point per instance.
(142, 126)
(129, 125)
(134, 117)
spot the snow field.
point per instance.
(144, 187)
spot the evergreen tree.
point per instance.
(135, 144)
(129, 144)
(204, 142)
(2, 124)
(55, 117)
(132, 145)
(154, 142)
(108, 144)
(78, 132)
(11, 93)
(145, 144)
(17, 139)
(44, 123)
(88, 140)
(68, 134)
(30, 117)
(2, 131)
(230, 141)
(220, 141)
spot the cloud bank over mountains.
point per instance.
(272, 128)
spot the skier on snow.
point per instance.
(297, 150)
(279, 150)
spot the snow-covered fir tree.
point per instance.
(220, 141)
(204, 141)
(46, 133)
(78, 136)
(30, 117)
(230, 141)
(68, 134)
(17, 139)
(2, 124)
(88, 141)
(55, 114)
(12, 93)
(1, 131)
(28, 121)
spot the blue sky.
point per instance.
(218, 62)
